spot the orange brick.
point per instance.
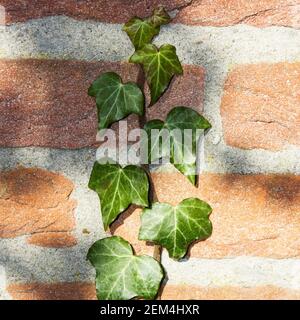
(185, 292)
(37, 202)
(261, 106)
(127, 226)
(52, 239)
(53, 291)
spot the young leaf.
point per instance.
(120, 275)
(117, 188)
(159, 17)
(114, 99)
(186, 121)
(160, 65)
(176, 227)
(141, 31)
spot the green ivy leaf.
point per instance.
(159, 17)
(186, 121)
(114, 99)
(142, 31)
(160, 65)
(120, 275)
(176, 227)
(117, 188)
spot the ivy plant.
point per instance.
(120, 274)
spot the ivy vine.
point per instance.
(120, 274)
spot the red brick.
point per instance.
(260, 13)
(45, 102)
(261, 106)
(52, 291)
(185, 292)
(253, 215)
(186, 90)
(36, 202)
(111, 11)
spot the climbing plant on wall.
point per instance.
(120, 274)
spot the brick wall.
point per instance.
(242, 71)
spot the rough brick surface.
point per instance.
(53, 240)
(36, 202)
(185, 90)
(185, 292)
(260, 13)
(255, 215)
(111, 11)
(261, 106)
(53, 291)
(45, 102)
(87, 291)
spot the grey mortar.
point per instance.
(237, 272)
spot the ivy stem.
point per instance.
(157, 251)
(157, 256)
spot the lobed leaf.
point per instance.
(118, 188)
(160, 65)
(187, 121)
(121, 275)
(176, 227)
(114, 99)
(142, 31)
